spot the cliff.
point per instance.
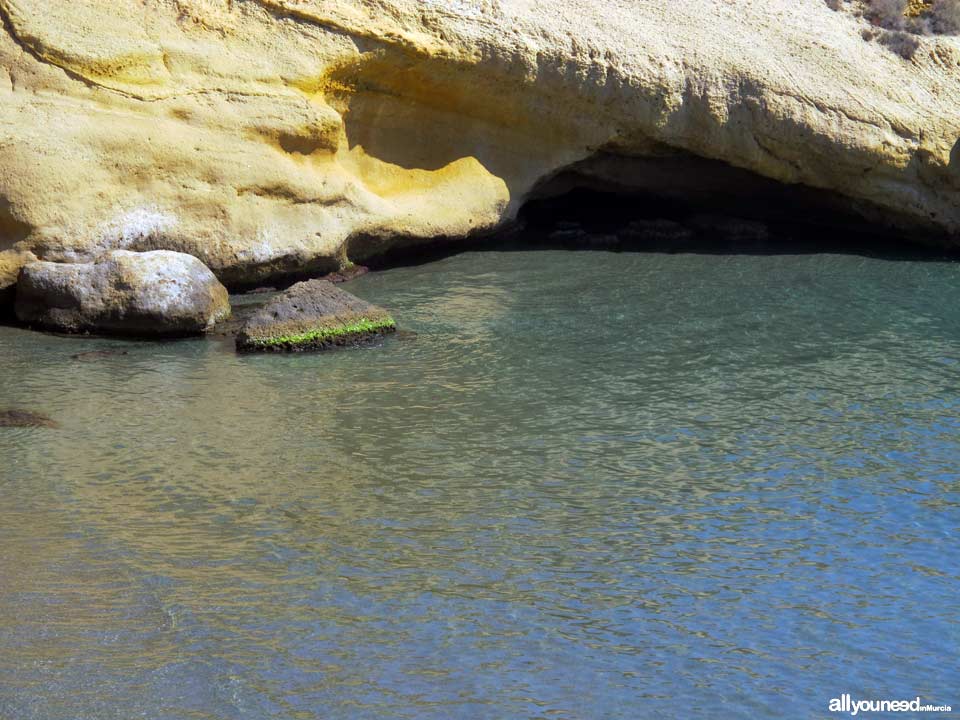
(274, 136)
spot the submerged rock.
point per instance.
(407, 335)
(313, 315)
(152, 293)
(25, 419)
(95, 355)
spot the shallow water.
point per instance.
(593, 486)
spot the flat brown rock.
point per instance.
(313, 315)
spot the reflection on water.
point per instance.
(594, 485)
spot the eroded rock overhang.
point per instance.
(285, 136)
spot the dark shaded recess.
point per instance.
(12, 231)
(280, 274)
(8, 296)
(682, 203)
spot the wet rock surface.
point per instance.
(347, 274)
(313, 315)
(158, 293)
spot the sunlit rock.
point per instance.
(270, 137)
(123, 292)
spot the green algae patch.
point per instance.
(358, 331)
(313, 315)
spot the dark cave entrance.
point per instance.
(682, 203)
(689, 204)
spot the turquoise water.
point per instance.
(594, 485)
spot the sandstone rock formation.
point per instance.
(313, 315)
(11, 262)
(151, 293)
(275, 136)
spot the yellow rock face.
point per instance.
(11, 262)
(271, 136)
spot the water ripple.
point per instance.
(593, 485)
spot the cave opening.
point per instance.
(682, 203)
(586, 218)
